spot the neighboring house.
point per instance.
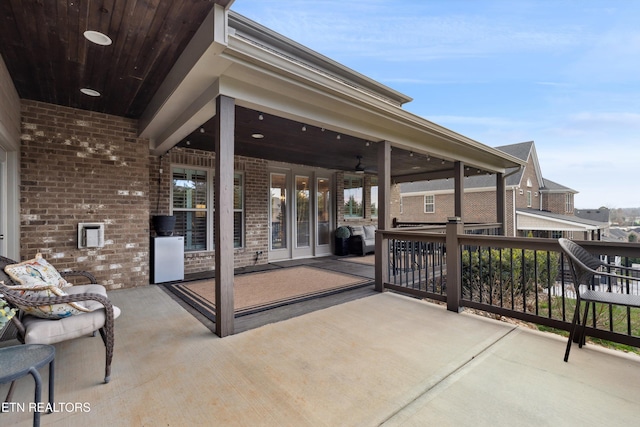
(535, 206)
(599, 215)
(617, 234)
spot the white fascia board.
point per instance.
(196, 70)
(449, 191)
(576, 225)
(199, 112)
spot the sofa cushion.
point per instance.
(356, 230)
(370, 232)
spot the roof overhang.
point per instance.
(233, 56)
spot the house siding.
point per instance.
(80, 166)
(556, 203)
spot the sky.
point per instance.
(564, 74)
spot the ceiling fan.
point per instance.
(360, 168)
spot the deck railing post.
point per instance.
(382, 261)
(454, 264)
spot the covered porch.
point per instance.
(381, 360)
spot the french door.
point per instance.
(299, 213)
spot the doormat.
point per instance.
(367, 259)
(255, 292)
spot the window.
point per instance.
(190, 207)
(191, 194)
(353, 202)
(429, 204)
(556, 234)
(374, 197)
(529, 200)
(568, 201)
(401, 207)
(238, 210)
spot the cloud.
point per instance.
(613, 57)
(393, 32)
(631, 120)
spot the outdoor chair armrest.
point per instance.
(86, 274)
(617, 276)
(15, 299)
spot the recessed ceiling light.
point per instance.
(97, 38)
(89, 92)
(257, 135)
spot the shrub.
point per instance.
(507, 275)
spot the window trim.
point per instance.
(243, 198)
(432, 203)
(374, 183)
(210, 209)
(568, 202)
(351, 179)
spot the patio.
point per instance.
(379, 360)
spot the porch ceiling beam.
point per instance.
(426, 176)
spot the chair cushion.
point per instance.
(43, 331)
(38, 278)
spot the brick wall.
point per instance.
(478, 207)
(256, 186)
(556, 203)
(81, 166)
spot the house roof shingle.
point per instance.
(520, 150)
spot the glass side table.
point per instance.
(20, 360)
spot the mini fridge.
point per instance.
(167, 259)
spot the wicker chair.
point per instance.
(584, 267)
(33, 330)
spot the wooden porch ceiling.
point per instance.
(299, 143)
(49, 59)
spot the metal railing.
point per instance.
(520, 278)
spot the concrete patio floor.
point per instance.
(380, 360)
